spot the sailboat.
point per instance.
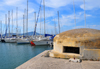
(41, 40)
(23, 40)
(10, 39)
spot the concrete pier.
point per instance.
(41, 62)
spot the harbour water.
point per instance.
(13, 55)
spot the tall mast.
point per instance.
(55, 26)
(74, 13)
(40, 22)
(17, 21)
(12, 21)
(58, 22)
(84, 14)
(1, 28)
(44, 15)
(27, 18)
(9, 21)
(23, 25)
(25, 21)
(6, 24)
(35, 20)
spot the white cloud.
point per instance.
(13, 2)
(56, 3)
(90, 4)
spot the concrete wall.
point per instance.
(91, 54)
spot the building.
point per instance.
(79, 43)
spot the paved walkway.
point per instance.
(40, 62)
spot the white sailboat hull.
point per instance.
(42, 43)
(8, 40)
(23, 41)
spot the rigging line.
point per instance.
(74, 14)
(84, 13)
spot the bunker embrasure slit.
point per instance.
(67, 49)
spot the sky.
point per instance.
(66, 15)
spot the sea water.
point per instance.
(13, 55)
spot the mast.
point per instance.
(25, 21)
(58, 22)
(1, 28)
(35, 21)
(74, 13)
(9, 21)
(55, 26)
(40, 22)
(23, 25)
(84, 14)
(17, 21)
(6, 24)
(27, 18)
(12, 21)
(44, 15)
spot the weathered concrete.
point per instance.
(41, 62)
(87, 40)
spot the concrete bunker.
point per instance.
(79, 43)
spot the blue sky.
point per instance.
(65, 8)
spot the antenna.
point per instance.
(74, 14)
(84, 13)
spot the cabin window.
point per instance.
(67, 49)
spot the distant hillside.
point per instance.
(29, 33)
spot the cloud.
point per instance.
(13, 2)
(90, 4)
(89, 26)
(56, 3)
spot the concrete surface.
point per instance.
(41, 62)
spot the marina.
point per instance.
(49, 34)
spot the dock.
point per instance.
(42, 62)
